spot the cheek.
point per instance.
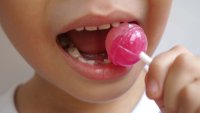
(157, 17)
(24, 23)
(27, 29)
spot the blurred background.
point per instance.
(183, 28)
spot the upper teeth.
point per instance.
(91, 28)
(116, 24)
(100, 27)
(105, 26)
(80, 29)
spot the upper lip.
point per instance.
(96, 20)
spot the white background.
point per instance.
(183, 28)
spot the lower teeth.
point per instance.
(106, 61)
(74, 52)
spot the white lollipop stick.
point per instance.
(146, 59)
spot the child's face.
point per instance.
(33, 27)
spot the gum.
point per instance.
(125, 43)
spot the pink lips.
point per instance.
(125, 43)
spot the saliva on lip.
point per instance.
(125, 43)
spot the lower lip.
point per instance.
(95, 72)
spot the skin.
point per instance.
(173, 80)
(32, 27)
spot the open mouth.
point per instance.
(85, 47)
(87, 44)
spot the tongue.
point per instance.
(125, 43)
(90, 42)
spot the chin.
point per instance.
(98, 91)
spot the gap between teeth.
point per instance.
(73, 52)
(100, 27)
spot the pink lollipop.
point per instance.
(126, 45)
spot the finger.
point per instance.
(189, 98)
(182, 72)
(158, 70)
(198, 111)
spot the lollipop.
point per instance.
(126, 45)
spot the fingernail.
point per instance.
(152, 88)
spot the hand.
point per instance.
(173, 81)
